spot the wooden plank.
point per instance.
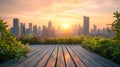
(60, 59)
(34, 47)
(27, 61)
(68, 60)
(81, 56)
(53, 58)
(29, 55)
(101, 62)
(96, 64)
(39, 57)
(98, 58)
(10, 63)
(14, 62)
(77, 61)
(32, 55)
(60, 56)
(45, 58)
(37, 49)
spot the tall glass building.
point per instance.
(16, 30)
(86, 26)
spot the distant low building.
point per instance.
(27, 32)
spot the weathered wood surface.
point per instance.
(60, 56)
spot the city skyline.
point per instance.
(39, 12)
(19, 30)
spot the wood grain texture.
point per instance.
(60, 56)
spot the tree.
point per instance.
(116, 25)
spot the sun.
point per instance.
(66, 25)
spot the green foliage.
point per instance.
(66, 40)
(116, 25)
(10, 48)
(108, 48)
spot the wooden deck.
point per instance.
(60, 56)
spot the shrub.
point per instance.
(41, 40)
(10, 48)
(108, 48)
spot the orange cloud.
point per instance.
(59, 11)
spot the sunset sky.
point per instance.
(39, 12)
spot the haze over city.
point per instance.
(59, 33)
(60, 12)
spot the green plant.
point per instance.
(42, 40)
(106, 47)
(10, 48)
(116, 25)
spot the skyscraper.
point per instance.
(50, 29)
(79, 30)
(30, 29)
(22, 29)
(49, 24)
(44, 31)
(16, 30)
(39, 31)
(35, 30)
(85, 25)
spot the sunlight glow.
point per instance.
(66, 25)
